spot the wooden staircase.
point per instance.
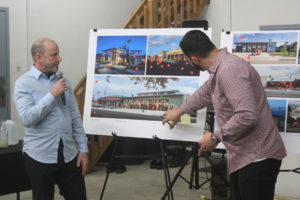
(165, 13)
(149, 14)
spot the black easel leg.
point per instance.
(195, 168)
(18, 195)
(166, 171)
(192, 172)
(103, 189)
(196, 161)
(177, 175)
(168, 175)
(112, 158)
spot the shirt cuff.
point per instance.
(219, 134)
(83, 148)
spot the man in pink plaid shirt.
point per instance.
(247, 129)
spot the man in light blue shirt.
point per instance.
(53, 127)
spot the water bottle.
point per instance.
(3, 136)
(12, 134)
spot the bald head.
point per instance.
(39, 46)
(45, 54)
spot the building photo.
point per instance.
(266, 48)
(280, 81)
(278, 109)
(127, 58)
(147, 99)
(293, 117)
(165, 57)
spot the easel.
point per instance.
(195, 165)
(194, 172)
(163, 158)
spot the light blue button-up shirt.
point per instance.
(46, 120)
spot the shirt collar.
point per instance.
(215, 65)
(37, 73)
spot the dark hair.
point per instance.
(196, 43)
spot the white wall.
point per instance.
(248, 15)
(68, 23)
(219, 20)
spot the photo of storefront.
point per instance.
(266, 48)
(165, 57)
(121, 55)
(139, 101)
(255, 46)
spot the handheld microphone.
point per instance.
(59, 75)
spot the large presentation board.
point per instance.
(133, 77)
(275, 56)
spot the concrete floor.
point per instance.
(139, 182)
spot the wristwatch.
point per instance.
(214, 139)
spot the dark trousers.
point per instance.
(43, 177)
(255, 181)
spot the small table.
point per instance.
(13, 177)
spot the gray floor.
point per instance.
(139, 182)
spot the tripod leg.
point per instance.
(177, 175)
(112, 158)
(196, 160)
(166, 171)
(169, 179)
(192, 173)
(166, 167)
(195, 168)
(103, 189)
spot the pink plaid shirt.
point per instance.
(247, 128)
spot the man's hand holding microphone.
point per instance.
(59, 87)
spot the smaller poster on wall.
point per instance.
(264, 47)
(275, 56)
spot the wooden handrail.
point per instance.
(81, 82)
(137, 11)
